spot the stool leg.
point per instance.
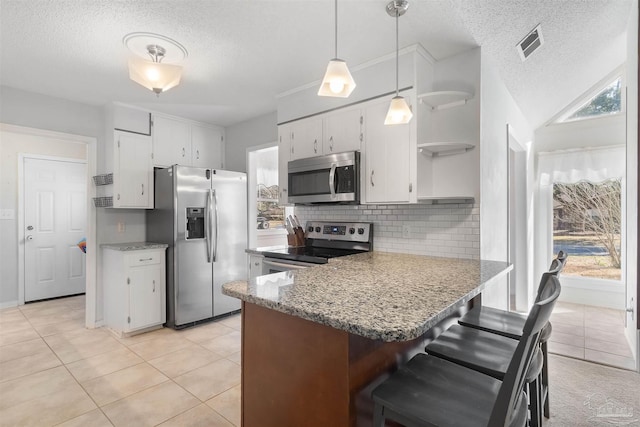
(545, 379)
(378, 417)
(535, 402)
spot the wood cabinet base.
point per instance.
(300, 373)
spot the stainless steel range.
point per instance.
(324, 240)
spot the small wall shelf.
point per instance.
(433, 149)
(103, 202)
(444, 99)
(104, 179)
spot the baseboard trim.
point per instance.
(8, 304)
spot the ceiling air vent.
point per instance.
(530, 43)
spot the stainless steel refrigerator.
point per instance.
(202, 215)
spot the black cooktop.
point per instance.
(310, 254)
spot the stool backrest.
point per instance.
(557, 265)
(514, 379)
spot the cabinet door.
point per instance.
(145, 297)
(131, 120)
(255, 266)
(387, 157)
(133, 171)
(306, 138)
(171, 142)
(284, 155)
(206, 147)
(343, 132)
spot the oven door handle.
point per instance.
(284, 265)
(332, 180)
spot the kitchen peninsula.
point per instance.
(315, 341)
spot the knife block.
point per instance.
(296, 239)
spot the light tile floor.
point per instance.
(590, 333)
(54, 371)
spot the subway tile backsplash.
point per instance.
(449, 230)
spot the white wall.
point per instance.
(258, 131)
(496, 111)
(18, 107)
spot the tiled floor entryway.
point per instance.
(53, 371)
(590, 333)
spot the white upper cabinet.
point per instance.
(284, 155)
(206, 147)
(343, 131)
(171, 141)
(387, 158)
(131, 119)
(132, 171)
(183, 142)
(305, 138)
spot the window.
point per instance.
(270, 214)
(607, 101)
(587, 220)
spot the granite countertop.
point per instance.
(378, 295)
(134, 246)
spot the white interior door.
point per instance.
(54, 221)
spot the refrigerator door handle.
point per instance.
(215, 226)
(208, 225)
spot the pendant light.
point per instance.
(399, 111)
(337, 80)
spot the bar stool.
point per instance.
(429, 391)
(510, 324)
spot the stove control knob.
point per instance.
(310, 229)
(360, 230)
(318, 229)
(352, 230)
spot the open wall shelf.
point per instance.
(433, 149)
(442, 100)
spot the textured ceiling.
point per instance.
(243, 53)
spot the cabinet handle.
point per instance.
(154, 286)
(183, 152)
(145, 259)
(143, 189)
(372, 184)
(197, 154)
(315, 145)
(291, 149)
(331, 144)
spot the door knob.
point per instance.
(29, 237)
(30, 227)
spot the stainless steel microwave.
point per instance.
(334, 178)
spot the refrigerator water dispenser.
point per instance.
(195, 223)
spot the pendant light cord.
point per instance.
(397, 54)
(336, 21)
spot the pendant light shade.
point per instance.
(155, 60)
(154, 76)
(399, 111)
(337, 80)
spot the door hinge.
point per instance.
(221, 138)
(361, 120)
(152, 156)
(118, 143)
(128, 281)
(410, 187)
(128, 319)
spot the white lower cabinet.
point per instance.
(134, 288)
(255, 265)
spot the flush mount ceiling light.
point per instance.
(399, 111)
(337, 80)
(147, 67)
